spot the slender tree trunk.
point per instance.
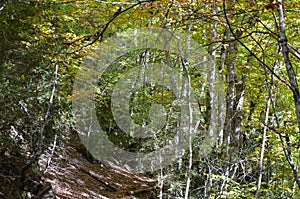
(262, 151)
(161, 184)
(188, 181)
(293, 82)
(288, 63)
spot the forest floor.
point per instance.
(71, 176)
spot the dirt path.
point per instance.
(72, 176)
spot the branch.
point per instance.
(291, 49)
(253, 54)
(100, 32)
(224, 41)
(104, 2)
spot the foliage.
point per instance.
(43, 44)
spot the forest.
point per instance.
(165, 99)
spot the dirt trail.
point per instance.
(72, 176)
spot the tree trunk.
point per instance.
(292, 79)
(262, 150)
